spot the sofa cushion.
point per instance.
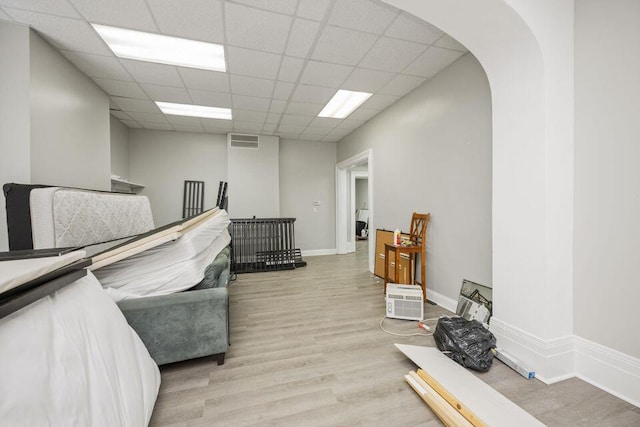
(217, 273)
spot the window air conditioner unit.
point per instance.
(404, 302)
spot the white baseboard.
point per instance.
(614, 372)
(443, 301)
(551, 360)
(572, 356)
(318, 252)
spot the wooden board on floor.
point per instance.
(488, 404)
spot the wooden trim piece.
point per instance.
(455, 403)
(443, 410)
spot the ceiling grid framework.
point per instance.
(285, 59)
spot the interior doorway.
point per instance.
(348, 212)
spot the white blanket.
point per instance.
(171, 267)
(71, 359)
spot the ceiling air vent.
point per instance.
(237, 140)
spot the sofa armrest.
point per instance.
(181, 326)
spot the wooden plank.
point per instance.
(443, 410)
(485, 402)
(451, 399)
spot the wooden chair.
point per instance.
(417, 237)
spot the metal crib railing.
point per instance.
(264, 244)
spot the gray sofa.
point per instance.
(189, 324)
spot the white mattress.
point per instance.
(171, 267)
(71, 359)
(64, 217)
(14, 273)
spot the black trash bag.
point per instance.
(466, 342)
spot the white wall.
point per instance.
(14, 113)
(432, 153)
(162, 161)
(307, 174)
(69, 123)
(362, 193)
(254, 180)
(607, 173)
(119, 148)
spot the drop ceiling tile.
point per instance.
(392, 55)
(188, 128)
(277, 106)
(204, 79)
(136, 105)
(253, 63)
(380, 102)
(281, 6)
(52, 7)
(290, 119)
(251, 86)
(167, 93)
(324, 122)
(312, 130)
(349, 123)
(149, 72)
(217, 125)
(132, 14)
(340, 132)
(249, 127)
(401, 85)
(290, 129)
(256, 29)
(316, 94)
(365, 80)
(273, 118)
(269, 127)
(448, 42)
(363, 15)
(183, 120)
(249, 116)
(252, 103)
(363, 114)
(290, 69)
(313, 9)
(432, 62)
(156, 126)
(304, 108)
(283, 90)
(120, 88)
(107, 67)
(193, 19)
(330, 138)
(310, 137)
(342, 46)
(131, 124)
(303, 34)
(121, 115)
(63, 33)
(288, 135)
(323, 74)
(210, 99)
(148, 117)
(411, 28)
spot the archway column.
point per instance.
(532, 173)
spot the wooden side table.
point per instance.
(410, 250)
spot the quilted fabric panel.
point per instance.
(85, 217)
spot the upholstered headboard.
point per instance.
(55, 217)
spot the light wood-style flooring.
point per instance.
(306, 350)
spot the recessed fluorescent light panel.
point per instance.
(151, 47)
(343, 103)
(194, 110)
